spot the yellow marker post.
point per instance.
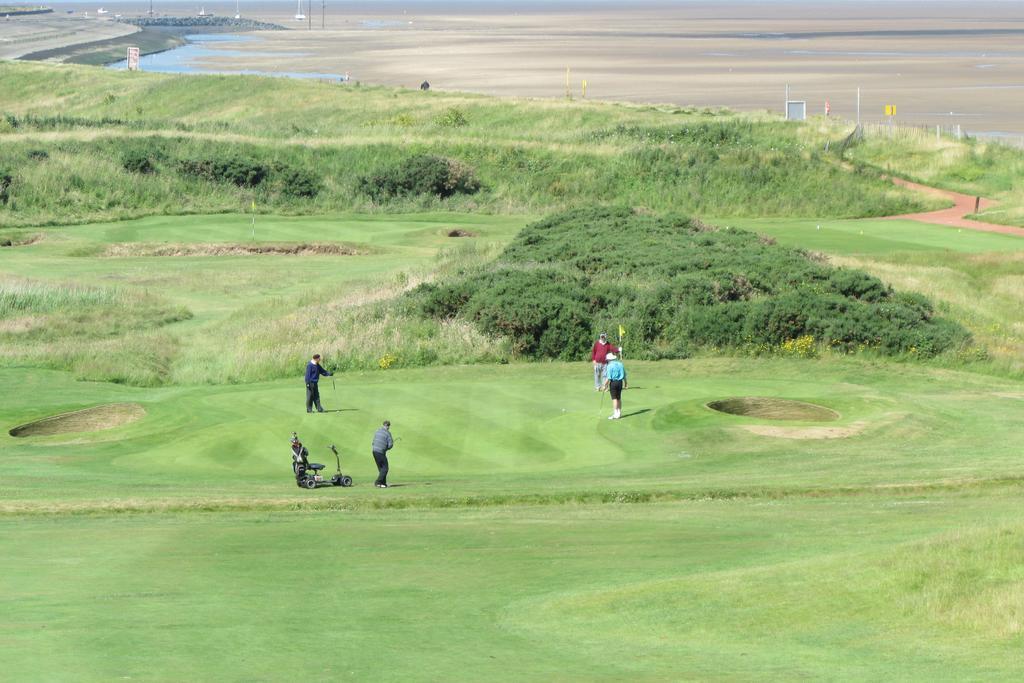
(584, 88)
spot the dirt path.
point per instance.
(954, 216)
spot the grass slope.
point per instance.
(529, 156)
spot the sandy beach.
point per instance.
(940, 63)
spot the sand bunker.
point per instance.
(127, 250)
(19, 241)
(88, 420)
(456, 232)
(774, 409)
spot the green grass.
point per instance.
(529, 534)
(530, 538)
(869, 237)
(765, 557)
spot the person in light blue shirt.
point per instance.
(615, 382)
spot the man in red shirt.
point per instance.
(599, 357)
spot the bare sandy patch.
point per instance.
(133, 249)
(458, 232)
(88, 420)
(807, 432)
(1010, 394)
(21, 325)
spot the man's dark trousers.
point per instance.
(313, 397)
(382, 467)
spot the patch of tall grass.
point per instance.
(95, 333)
(353, 329)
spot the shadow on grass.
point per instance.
(635, 412)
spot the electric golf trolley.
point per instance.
(307, 474)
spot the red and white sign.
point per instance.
(133, 59)
(828, 108)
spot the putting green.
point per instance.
(518, 429)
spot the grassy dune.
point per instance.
(529, 156)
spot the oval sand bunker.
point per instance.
(774, 409)
(89, 420)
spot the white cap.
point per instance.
(611, 356)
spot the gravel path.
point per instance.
(954, 216)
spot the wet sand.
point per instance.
(22, 35)
(944, 63)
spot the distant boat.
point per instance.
(102, 11)
(238, 14)
(204, 13)
(299, 16)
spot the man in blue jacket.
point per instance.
(313, 372)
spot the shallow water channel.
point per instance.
(192, 57)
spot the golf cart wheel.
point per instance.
(309, 483)
(335, 481)
(346, 480)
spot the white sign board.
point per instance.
(796, 110)
(133, 59)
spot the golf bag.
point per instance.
(307, 474)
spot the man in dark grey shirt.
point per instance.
(382, 443)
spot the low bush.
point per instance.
(422, 174)
(237, 170)
(6, 180)
(296, 182)
(138, 161)
(453, 117)
(676, 284)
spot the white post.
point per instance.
(936, 133)
(858, 106)
(785, 106)
(958, 131)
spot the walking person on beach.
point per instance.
(313, 372)
(382, 443)
(599, 357)
(615, 382)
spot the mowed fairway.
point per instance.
(527, 537)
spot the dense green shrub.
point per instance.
(237, 170)
(422, 174)
(6, 180)
(674, 284)
(138, 161)
(297, 182)
(453, 117)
